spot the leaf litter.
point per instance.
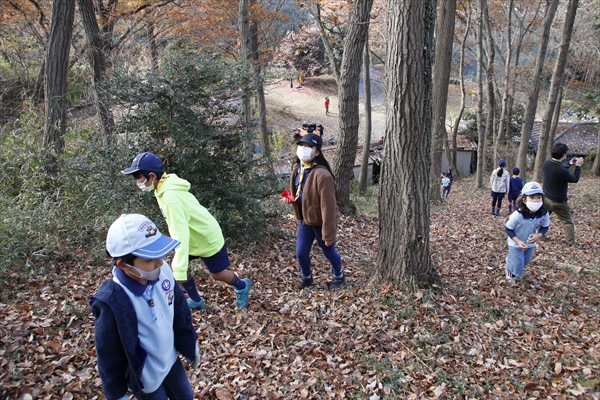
(473, 337)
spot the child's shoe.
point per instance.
(196, 305)
(306, 282)
(337, 282)
(242, 295)
(497, 212)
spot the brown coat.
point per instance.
(319, 207)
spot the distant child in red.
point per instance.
(326, 105)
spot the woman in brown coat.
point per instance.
(315, 207)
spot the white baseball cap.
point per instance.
(136, 234)
(532, 188)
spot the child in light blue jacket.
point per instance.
(524, 228)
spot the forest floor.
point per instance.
(474, 336)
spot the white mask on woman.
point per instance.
(534, 206)
(304, 153)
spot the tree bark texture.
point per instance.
(404, 213)
(534, 91)
(441, 79)
(555, 87)
(503, 124)
(480, 127)
(260, 91)
(343, 162)
(489, 74)
(328, 50)
(245, 45)
(364, 166)
(97, 56)
(57, 67)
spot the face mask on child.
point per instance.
(149, 276)
(304, 153)
(534, 206)
(144, 188)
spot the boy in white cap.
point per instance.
(142, 319)
(524, 228)
(190, 223)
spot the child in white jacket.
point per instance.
(500, 184)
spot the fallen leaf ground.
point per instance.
(473, 337)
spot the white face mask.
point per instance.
(304, 153)
(149, 276)
(144, 188)
(534, 206)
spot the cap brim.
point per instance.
(158, 249)
(130, 170)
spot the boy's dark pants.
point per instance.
(563, 212)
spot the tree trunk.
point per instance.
(151, 44)
(596, 166)
(489, 74)
(343, 162)
(260, 91)
(328, 50)
(452, 160)
(404, 255)
(441, 79)
(57, 67)
(97, 58)
(534, 91)
(364, 166)
(245, 45)
(555, 118)
(555, 87)
(504, 113)
(480, 128)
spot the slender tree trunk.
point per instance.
(328, 49)
(260, 91)
(534, 91)
(151, 44)
(489, 74)
(97, 59)
(452, 160)
(38, 89)
(364, 166)
(596, 166)
(343, 162)
(404, 255)
(57, 68)
(480, 128)
(555, 87)
(555, 118)
(247, 60)
(441, 79)
(503, 123)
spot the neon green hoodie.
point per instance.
(189, 222)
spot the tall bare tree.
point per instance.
(246, 47)
(343, 162)
(364, 166)
(97, 56)
(534, 91)
(503, 124)
(480, 128)
(57, 68)
(489, 75)
(404, 255)
(555, 88)
(441, 78)
(316, 13)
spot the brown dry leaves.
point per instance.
(475, 337)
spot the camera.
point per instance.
(574, 159)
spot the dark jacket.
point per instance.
(120, 356)
(319, 207)
(556, 180)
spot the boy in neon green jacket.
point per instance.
(191, 224)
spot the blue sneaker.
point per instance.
(242, 295)
(196, 305)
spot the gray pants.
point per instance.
(563, 212)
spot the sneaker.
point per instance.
(306, 282)
(242, 295)
(337, 282)
(196, 305)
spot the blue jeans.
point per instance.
(306, 237)
(517, 259)
(176, 386)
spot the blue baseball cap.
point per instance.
(502, 162)
(144, 162)
(136, 234)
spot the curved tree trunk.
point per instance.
(404, 256)
(57, 68)
(343, 162)
(98, 63)
(534, 91)
(555, 88)
(364, 166)
(441, 79)
(328, 50)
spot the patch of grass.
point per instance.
(367, 203)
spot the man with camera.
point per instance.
(556, 186)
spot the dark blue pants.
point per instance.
(176, 386)
(306, 236)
